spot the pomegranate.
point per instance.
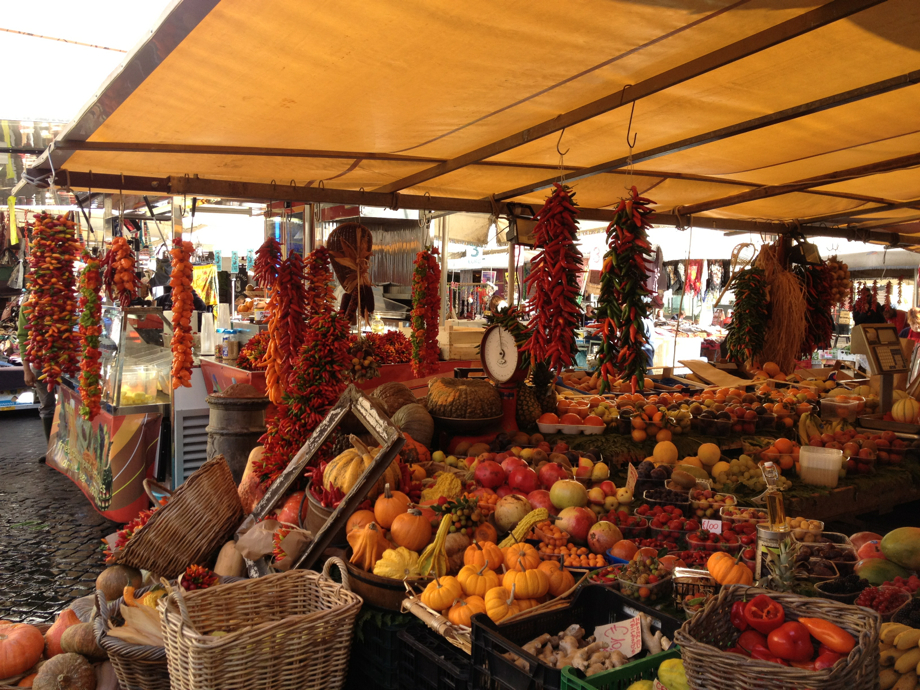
(602, 536)
(509, 511)
(523, 479)
(577, 521)
(551, 473)
(568, 492)
(512, 461)
(489, 474)
(540, 499)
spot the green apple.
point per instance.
(438, 456)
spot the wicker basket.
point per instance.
(43, 628)
(287, 631)
(198, 519)
(703, 637)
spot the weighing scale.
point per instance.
(501, 363)
(880, 343)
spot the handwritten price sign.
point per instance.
(632, 476)
(713, 526)
(622, 636)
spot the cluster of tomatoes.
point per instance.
(180, 280)
(51, 308)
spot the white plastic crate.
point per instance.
(820, 466)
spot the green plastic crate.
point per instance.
(619, 678)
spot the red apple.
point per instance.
(523, 479)
(489, 474)
(512, 461)
(550, 473)
(577, 522)
(602, 536)
(609, 488)
(540, 499)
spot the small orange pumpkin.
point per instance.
(528, 584)
(411, 530)
(500, 603)
(477, 581)
(521, 556)
(479, 553)
(367, 545)
(726, 570)
(441, 593)
(486, 532)
(21, 647)
(417, 472)
(53, 636)
(390, 504)
(358, 520)
(464, 609)
(561, 579)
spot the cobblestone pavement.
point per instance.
(49, 532)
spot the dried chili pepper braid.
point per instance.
(391, 347)
(320, 295)
(286, 325)
(426, 313)
(553, 282)
(253, 352)
(623, 304)
(119, 278)
(268, 260)
(818, 282)
(180, 279)
(90, 330)
(52, 305)
(748, 327)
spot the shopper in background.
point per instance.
(912, 331)
(46, 398)
(897, 317)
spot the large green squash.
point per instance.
(415, 421)
(902, 545)
(463, 399)
(393, 396)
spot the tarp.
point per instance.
(427, 80)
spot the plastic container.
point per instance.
(657, 593)
(592, 429)
(636, 531)
(832, 409)
(138, 385)
(378, 643)
(716, 502)
(842, 598)
(570, 429)
(726, 514)
(820, 466)
(823, 578)
(808, 534)
(618, 678)
(592, 606)
(548, 428)
(677, 537)
(683, 505)
(429, 662)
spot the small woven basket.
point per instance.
(198, 519)
(287, 631)
(703, 637)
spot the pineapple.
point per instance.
(781, 571)
(544, 382)
(528, 408)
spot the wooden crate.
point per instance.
(459, 343)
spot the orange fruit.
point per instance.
(785, 462)
(772, 369)
(594, 420)
(548, 418)
(595, 401)
(645, 552)
(780, 376)
(624, 549)
(638, 435)
(650, 411)
(663, 435)
(582, 412)
(783, 446)
(569, 418)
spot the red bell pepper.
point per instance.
(750, 639)
(826, 660)
(763, 614)
(762, 653)
(791, 641)
(737, 650)
(737, 616)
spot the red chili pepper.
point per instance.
(737, 616)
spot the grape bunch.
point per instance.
(744, 471)
(463, 513)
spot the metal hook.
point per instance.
(629, 128)
(561, 153)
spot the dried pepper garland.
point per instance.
(426, 313)
(623, 302)
(180, 280)
(125, 534)
(553, 282)
(119, 278)
(268, 260)
(90, 329)
(888, 294)
(252, 353)
(316, 384)
(198, 577)
(286, 325)
(51, 309)
(900, 289)
(818, 282)
(320, 296)
(391, 347)
(747, 330)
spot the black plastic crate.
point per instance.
(376, 640)
(364, 675)
(429, 662)
(593, 605)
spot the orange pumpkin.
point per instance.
(21, 647)
(27, 681)
(477, 581)
(390, 504)
(417, 472)
(528, 584)
(521, 556)
(441, 593)
(411, 530)
(358, 520)
(486, 532)
(500, 603)
(480, 553)
(726, 570)
(414, 452)
(53, 636)
(464, 609)
(561, 579)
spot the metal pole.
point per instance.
(512, 272)
(444, 267)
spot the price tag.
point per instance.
(217, 259)
(713, 526)
(234, 263)
(250, 260)
(632, 476)
(623, 636)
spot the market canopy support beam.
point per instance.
(750, 45)
(253, 191)
(890, 206)
(801, 185)
(752, 125)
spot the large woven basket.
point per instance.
(287, 631)
(188, 530)
(703, 637)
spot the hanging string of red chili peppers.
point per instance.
(426, 313)
(747, 330)
(874, 292)
(51, 310)
(888, 287)
(180, 280)
(900, 289)
(320, 296)
(119, 277)
(553, 282)
(818, 282)
(622, 304)
(268, 260)
(90, 329)
(286, 325)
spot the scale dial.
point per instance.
(500, 356)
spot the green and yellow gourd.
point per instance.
(463, 399)
(344, 471)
